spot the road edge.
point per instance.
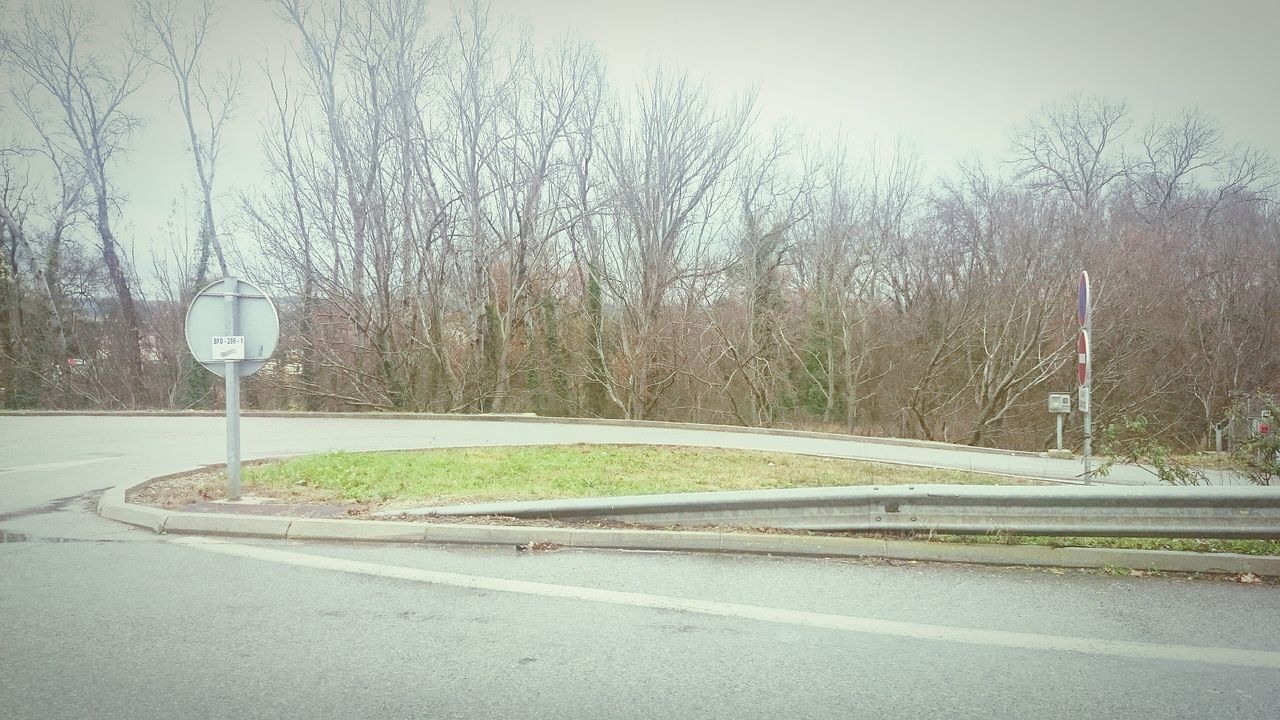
(112, 505)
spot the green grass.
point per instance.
(1245, 547)
(567, 471)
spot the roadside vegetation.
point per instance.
(568, 471)
(1137, 440)
(773, 276)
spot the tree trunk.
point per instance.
(21, 241)
(124, 295)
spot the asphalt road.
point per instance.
(189, 441)
(100, 620)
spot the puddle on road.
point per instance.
(87, 501)
(57, 505)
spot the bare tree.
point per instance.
(750, 321)
(1071, 148)
(206, 104)
(475, 157)
(12, 221)
(665, 157)
(853, 264)
(1171, 155)
(343, 49)
(49, 49)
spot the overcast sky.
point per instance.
(951, 77)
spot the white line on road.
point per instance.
(46, 467)
(893, 628)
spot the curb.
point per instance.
(112, 506)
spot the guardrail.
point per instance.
(1201, 512)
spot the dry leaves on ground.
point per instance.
(540, 546)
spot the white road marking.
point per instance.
(45, 467)
(893, 628)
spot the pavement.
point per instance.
(104, 620)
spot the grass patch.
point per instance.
(1244, 547)
(567, 471)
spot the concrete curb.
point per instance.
(537, 419)
(113, 506)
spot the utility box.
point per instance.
(1059, 402)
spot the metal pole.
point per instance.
(1060, 430)
(1088, 383)
(231, 371)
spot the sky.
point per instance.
(951, 78)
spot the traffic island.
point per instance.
(183, 504)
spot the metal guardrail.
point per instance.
(1201, 512)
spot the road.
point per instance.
(101, 620)
(200, 440)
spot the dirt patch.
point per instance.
(590, 524)
(199, 490)
(173, 492)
